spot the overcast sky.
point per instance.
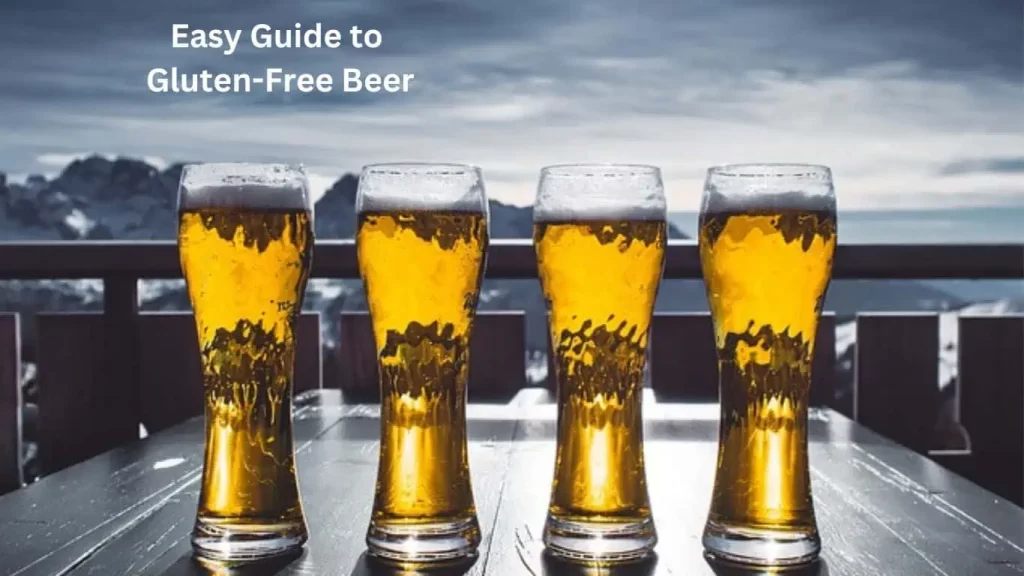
(914, 103)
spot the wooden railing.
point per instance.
(100, 374)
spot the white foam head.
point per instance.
(589, 192)
(421, 187)
(244, 185)
(768, 188)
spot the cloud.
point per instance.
(891, 95)
(60, 160)
(982, 165)
(318, 184)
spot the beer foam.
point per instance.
(243, 185)
(793, 200)
(421, 187)
(768, 188)
(599, 192)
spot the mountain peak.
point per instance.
(128, 198)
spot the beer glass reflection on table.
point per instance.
(245, 238)
(422, 239)
(767, 239)
(600, 233)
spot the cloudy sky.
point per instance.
(914, 103)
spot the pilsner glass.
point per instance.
(245, 237)
(422, 240)
(600, 234)
(767, 237)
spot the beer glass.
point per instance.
(600, 232)
(422, 240)
(767, 237)
(245, 238)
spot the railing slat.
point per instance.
(991, 381)
(75, 391)
(121, 352)
(172, 370)
(823, 368)
(497, 358)
(896, 376)
(357, 358)
(684, 364)
(80, 414)
(309, 366)
(10, 403)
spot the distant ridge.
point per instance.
(99, 198)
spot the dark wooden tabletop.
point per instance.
(882, 509)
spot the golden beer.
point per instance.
(766, 270)
(600, 256)
(246, 270)
(423, 270)
(600, 280)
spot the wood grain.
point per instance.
(882, 508)
(56, 524)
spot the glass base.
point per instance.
(599, 542)
(762, 548)
(439, 543)
(232, 542)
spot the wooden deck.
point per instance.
(882, 508)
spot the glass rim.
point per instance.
(584, 169)
(423, 168)
(243, 168)
(248, 185)
(201, 175)
(772, 170)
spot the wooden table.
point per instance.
(882, 509)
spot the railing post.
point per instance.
(684, 363)
(10, 403)
(992, 401)
(120, 319)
